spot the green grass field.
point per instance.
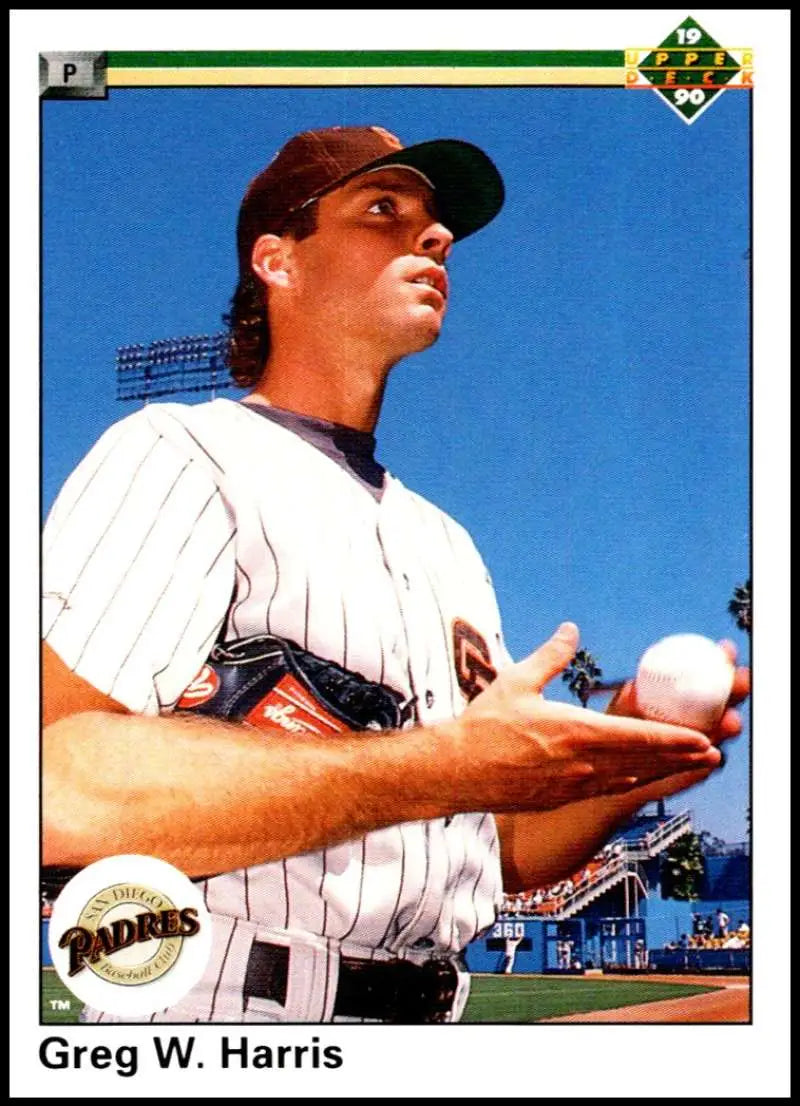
(59, 1006)
(520, 998)
(494, 998)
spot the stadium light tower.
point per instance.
(192, 363)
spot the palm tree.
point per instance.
(740, 607)
(582, 674)
(682, 868)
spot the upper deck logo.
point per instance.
(130, 935)
(689, 69)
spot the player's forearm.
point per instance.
(542, 847)
(211, 796)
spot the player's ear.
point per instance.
(270, 260)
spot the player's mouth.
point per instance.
(433, 276)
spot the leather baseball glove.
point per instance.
(271, 682)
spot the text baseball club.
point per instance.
(57, 1054)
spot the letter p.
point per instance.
(70, 69)
(80, 945)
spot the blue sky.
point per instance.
(585, 413)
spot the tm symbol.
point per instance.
(59, 1004)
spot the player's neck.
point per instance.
(346, 387)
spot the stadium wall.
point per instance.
(487, 953)
(47, 960)
(726, 877)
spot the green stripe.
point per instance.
(184, 59)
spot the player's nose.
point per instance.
(434, 241)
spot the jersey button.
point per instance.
(430, 699)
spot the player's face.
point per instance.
(374, 268)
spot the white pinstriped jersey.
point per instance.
(190, 524)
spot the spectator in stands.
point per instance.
(734, 942)
(723, 921)
(639, 954)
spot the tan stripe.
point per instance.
(369, 75)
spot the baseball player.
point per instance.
(338, 810)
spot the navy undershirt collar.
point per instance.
(353, 450)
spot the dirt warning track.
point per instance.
(729, 1004)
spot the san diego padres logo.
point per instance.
(474, 668)
(130, 945)
(111, 922)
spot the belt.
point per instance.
(394, 991)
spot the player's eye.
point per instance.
(383, 206)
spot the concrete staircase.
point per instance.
(660, 838)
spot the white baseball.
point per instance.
(684, 679)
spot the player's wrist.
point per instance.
(456, 769)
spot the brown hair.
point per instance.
(248, 318)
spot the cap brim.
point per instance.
(469, 188)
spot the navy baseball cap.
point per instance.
(467, 185)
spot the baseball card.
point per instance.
(397, 411)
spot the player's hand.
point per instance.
(729, 725)
(528, 753)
